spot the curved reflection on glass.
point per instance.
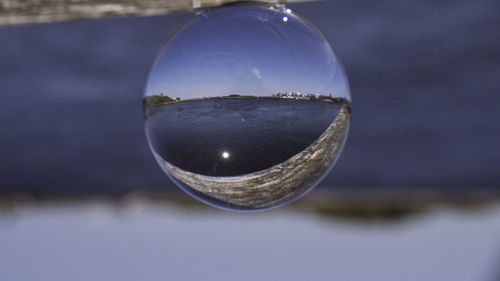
(246, 107)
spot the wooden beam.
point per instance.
(33, 11)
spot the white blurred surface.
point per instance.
(147, 242)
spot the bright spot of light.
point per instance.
(285, 19)
(225, 154)
(288, 11)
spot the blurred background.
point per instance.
(415, 195)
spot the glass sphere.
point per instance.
(246, 107)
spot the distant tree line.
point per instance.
(154, 100)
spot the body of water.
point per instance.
(252, 133)
(247, 153)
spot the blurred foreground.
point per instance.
(317, 238)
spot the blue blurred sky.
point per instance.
(424, 81)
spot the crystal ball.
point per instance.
(246, 107)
